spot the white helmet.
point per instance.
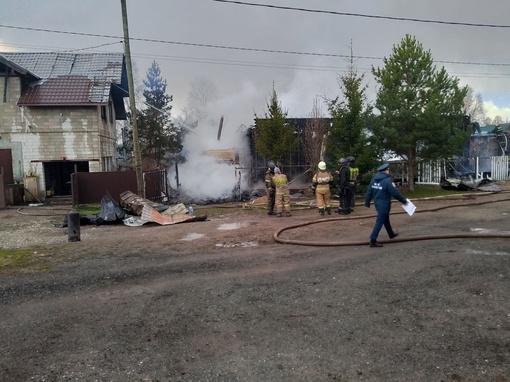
(322, 165)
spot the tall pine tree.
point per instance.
(274, 136)
(420, 106)
(352, 122)
(160, 140)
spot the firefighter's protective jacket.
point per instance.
(353, 176)
(343, 177)
(322, 181)
(270, 186)
(280, 182)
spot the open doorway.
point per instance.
(57, 176)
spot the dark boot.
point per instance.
(321, 211)
(328, 210)
(374, 243)
(395, 234)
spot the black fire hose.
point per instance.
(399, 240)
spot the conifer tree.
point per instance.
(274, 136)
(352, 122)
(421, 107)
(160, 140)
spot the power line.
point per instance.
(239, 48)
(242, 63)
(320, 68)
(185, 43)
(302, 67)
(91, 47)
(365, 15)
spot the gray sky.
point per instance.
(244, 77)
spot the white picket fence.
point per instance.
(431, 172)
(499, 168)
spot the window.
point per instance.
(103, 113)
(110, 111)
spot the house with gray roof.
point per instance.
(58, 114)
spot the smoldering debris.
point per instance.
(135, 211)
(111, 213)
(468, 183)
(135, 203)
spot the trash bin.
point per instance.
(13, 194)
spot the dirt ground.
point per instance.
(221, 300)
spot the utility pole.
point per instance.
(129, 67)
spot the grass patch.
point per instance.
(14, 258)
(86, 210)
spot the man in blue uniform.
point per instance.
(381, 189)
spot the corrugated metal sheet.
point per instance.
(226, 155)
(62, 72)
(68, 90)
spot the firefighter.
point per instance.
(353, 182)
(282, 193)
(343, 187)
(497, 130)
(270, 188)
(321, 184)
(501, 139)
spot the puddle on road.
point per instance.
(486, 253)
(485, 230)
(231, 226)
(245, 244)
(193, 236)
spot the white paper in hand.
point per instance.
(409, 207)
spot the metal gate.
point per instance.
(155, 184)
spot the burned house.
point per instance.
(485, 158)
(296, 165)
(486, 142)
(58, 115)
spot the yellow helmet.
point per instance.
(322, 165)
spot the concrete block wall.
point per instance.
(38, 134)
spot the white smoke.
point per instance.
(492, 111)
(202, 177)
(205, 177)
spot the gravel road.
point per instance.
(220, 300)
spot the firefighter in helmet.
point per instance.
(321, 187)
(282, 193)
(343, 186)
(270, 188)
(353, 182)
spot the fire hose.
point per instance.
(461, 235)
